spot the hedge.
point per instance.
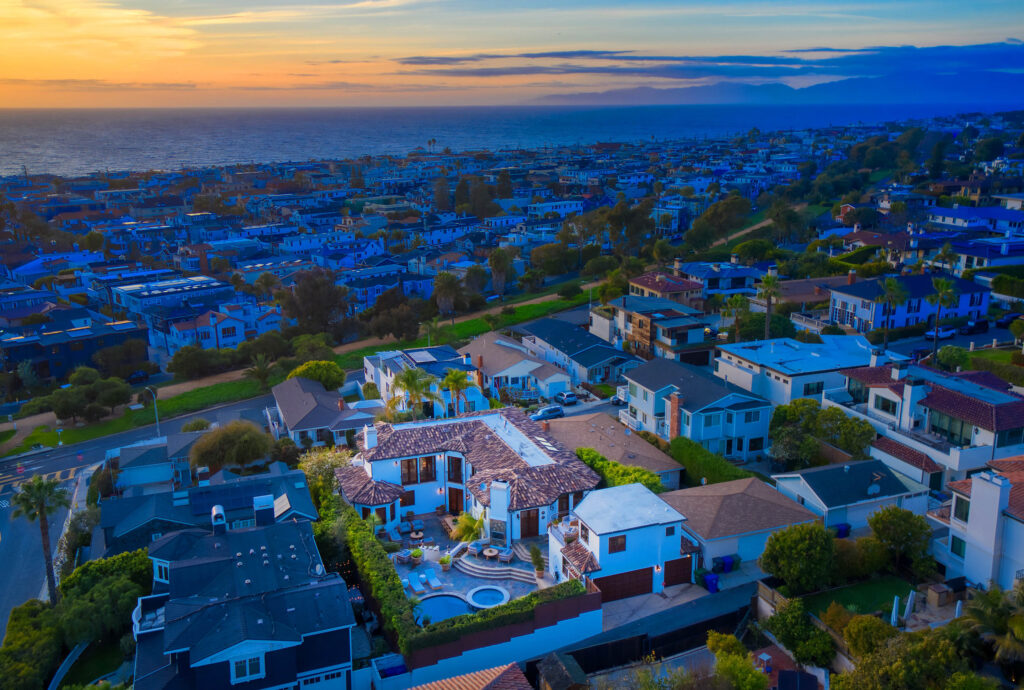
(616, 474)
(1008, 285)
(700, 463)
(1007, 372)
(859, 255)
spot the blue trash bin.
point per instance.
(711, 582)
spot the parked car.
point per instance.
(972, 327)
(566, 398)
(945, 332)
(1005, 320)
(616, 401)
(137, 377)
(548, 412)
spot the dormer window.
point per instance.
(161, 571)
(249, 668)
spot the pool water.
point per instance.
(441, 607)
(488, 597)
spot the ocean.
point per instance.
(75, 142)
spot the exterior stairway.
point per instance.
(522, 552)
(487, 572)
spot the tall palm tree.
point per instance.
(416, 384)
(500, 263)
(457, 381)
(434, 331)
(260, 370)
(944, 257)
(737, 307)
(944, 296)
(37, 499)
(998, 618)
(768, 291)
(447, 289)
(893, 295)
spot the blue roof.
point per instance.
(917, 286)
(705, 269)
(793, 357)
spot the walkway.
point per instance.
(756, 226)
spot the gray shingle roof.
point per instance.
(697, 387)
(841, 485)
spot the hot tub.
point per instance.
(487, 597)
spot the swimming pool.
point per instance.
(440, 607)
(487, 596)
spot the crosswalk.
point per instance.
(10, 480)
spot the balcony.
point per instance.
(622, 393)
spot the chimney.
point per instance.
(899, 370)
(220, 525)
(479, 361)
(545, 425)
(817, 290)
(1004, 248)
(369, 436)
(734, 258)
(856, 227)
(851, 277)
(467, 359)
(675, 415)
(341, 404)
(263, 510)
(715, 267)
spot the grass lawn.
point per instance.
(6, 435)
(96, 661)
(607, 390)
(863, 597)
(1000, 356)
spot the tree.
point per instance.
(457, 382)
(475, 279)
(910, 661)
(552, 259)
(83, 376)
(308, 348)
(112, 392)
(320, 465)
(447, 290)
(784, 219)
(68, 403)
(416, 385)
(769, 290)
(267, 283)
(945, 295)
(793, 628)
(234, 445)
(27, 375)
(38, 499)
(944, 257)
(504, 190)
(531, 280)
(721, 644)
(329, 374)
(937, 159)
(435, 332)
(101, 610)
(752, 327)
(315, 302)
(988, 149)
(893, 295)
(462, 195)
(663, 252)
(741, 673)
(569, 290)
(904, 535)
(727, 215)
(259, 371)
(953, 358)
(738, 307)
(500, 263)
(442, 194)
(997, 617)
(801, 556)
(93, 241)
(865, 634)
(121, 360)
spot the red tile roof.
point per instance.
(660, 281)
(914, 458)
(580, 557)
(870, 376)
(977, 412)
(507, 677)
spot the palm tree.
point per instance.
(500, 263)
(893, 295)
(944, 296)
(998, 618)
(944, 257)
(434, 332)
(737, 307)
(447, 289)
(457, 381)
(37, 499)
(416, 384)
(768, 291)
(260, 370)
(468, 528)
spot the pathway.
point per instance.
(756, 226)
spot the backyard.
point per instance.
(97, 660)
(866, 597)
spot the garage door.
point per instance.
(678, 572)
(615, 587)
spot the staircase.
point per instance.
(522, 552)
(493, 573)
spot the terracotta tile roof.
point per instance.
(357, 487)
(914, 458)
(983, 378)
(580, 557)
(492, 458)
(507, 677)
(1008, 465)
(870, 376)
(660, 281)
(981, 414)
(961, 486)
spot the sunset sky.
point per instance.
(131, 53)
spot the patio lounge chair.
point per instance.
(431, 578)
(428, 541)
(475, 548)
(414, 584)
(403, 556)
(404, 527)
(417, 525)
(505, 556)
(395, 536)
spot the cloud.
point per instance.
(298, 13)
(97, 85)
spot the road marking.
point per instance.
(5, 504)
(13, 481)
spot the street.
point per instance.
(908, 345)
(23, 577)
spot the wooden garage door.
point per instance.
(615, 587)
(678, 572)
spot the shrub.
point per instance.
(197, 424)
(327, 373)
(858, 559)
(800, 555)
(569, 290)
(721, 644)
(700, 463)
(654, 440)
(445, 559)
(837, 617)
(616, 474)
(865, 634)
(370, 391)
(236, 444)
(32, 646)
(417, 553)
(794, 629)
(1007, 372)
(876, 336)
(738, 672)
(536, 558)
(904, 536)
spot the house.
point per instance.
(856, 306)
(666, 286)
(253, 608)
(154, 463)
(670, 399)
(981, 527)
(935, 427)
(583, 355)
(382, 368)
(139, 514)
(311, 416)
(723, 279)
(849, 494)
(652, 327)
(507, 371)
(56, 353)
(495, 464)
(624, 553)
(613, 441)
(784, 369)
(734, 518)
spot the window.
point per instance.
(632, 389)
(961, 508)
(163, 572)
(885, 405)
(409, 474)
(407, 499)
(756, 444)
(686, 419)
(584, 533)
(752, 417)
(455, 470)
(427, 470)
(1009, 437)
(617, 544)
(670, 531)
(956, 431)
(228, 332)
(957, 546)
(728, 418)
(712, 419)
(814, 388)
(246, 669)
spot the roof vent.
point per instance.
(874, 489)
(248, 582)
(263, 548)
(239, 564)
(252, 552)
(846, 468)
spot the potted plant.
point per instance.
(417, 556)
(538, 561)
(446, 562)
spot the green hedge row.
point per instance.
(700, 463)
(859, 255)
(616, 474)
(377, 573)
(1007, 372)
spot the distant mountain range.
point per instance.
(981, 88)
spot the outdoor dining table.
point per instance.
(490, 552)
(416, 535)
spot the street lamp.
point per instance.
(155, 410)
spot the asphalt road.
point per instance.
(20, 551)
(908, 345)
